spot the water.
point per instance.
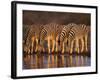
(39, 61)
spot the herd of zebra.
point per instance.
(53, 37)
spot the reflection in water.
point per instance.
(37, 61)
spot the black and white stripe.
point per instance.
(77, 33)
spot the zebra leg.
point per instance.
(48, 45)
(53, 42)
(29, 50)
(71, 49)
(63, 48)
(32, 47)
(26, 50)
(82, 41)
(42, 45)
(56, 46)
(68, 48)
(67, 45)
(86, 43)
(36, 45)
(77, 46)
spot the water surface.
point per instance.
(36, 61)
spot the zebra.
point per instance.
(64, 35)
(34, 36)
(50, 33)
(26, 29)
(78, 32)
(86, 33)
(58, 32)
(27, 48)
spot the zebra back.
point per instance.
(65, 31)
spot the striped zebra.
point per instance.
(26, 46)
(78, 32)
(50, 33)
(64, 35)
(34, 36)
(58, 32)
(86, 34)
(26, 29)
